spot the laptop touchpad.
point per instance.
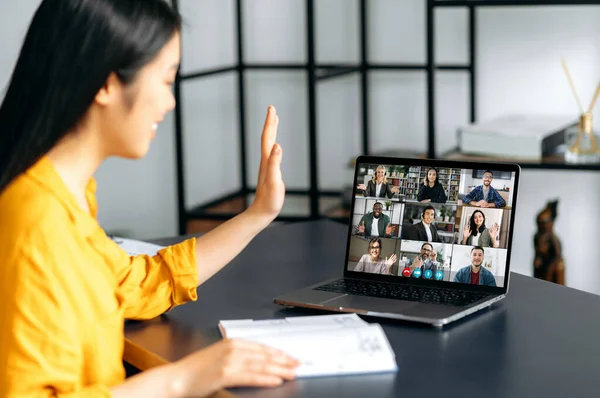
(364, 304)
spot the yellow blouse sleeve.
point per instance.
(40, 337)
(152, 285)
(148, 285)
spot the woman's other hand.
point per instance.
(231, 363)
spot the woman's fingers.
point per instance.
(274, 165)
(269, 368)
(268, 138)
(254, 364)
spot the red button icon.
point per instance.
(406, 271)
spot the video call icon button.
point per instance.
(428, 274)
(439, 275)
(417, 273)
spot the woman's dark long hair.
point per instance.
(474, 230)
(70, 49)
(437, 177)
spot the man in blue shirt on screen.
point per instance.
(485, 195)
(475, 274)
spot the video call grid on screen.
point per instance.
(457, 223)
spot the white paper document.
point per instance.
(135, 247)
(325, 345)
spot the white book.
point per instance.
(325, 345)
(515, 136)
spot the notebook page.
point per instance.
(248, 327)
(336, 352)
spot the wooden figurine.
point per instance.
(548, 263)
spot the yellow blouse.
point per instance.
(66, 289)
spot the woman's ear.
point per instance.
(109, 91)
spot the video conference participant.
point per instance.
(424, 230)
(372, 262)
(375, 223)
(431, 190)
(475, 274)
(485, 195)
(379, 187)
(426, 260)
(92, 81)
(475, 233)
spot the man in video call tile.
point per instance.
(375, 223)
(485, 195)
(426, 260)
(475, 274)
(424, 230)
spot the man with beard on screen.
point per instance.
(485, 195)
(475, 274)
(375, 223)
(425, 262)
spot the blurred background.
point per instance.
(211, 177)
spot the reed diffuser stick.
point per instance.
(566, 69)
(594, 98)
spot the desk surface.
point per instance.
(539, 341)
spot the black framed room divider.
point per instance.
(318, 72)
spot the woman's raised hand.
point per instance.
(270, 189)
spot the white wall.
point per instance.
(576, 224)
(14, 19)
(518, 61)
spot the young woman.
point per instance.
(373, 262)
(378, 186)
(431, 190)
(475, 232)
(93, 80)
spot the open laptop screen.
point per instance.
(438, 222)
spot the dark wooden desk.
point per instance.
(538, 342)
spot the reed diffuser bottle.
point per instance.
(582, 144)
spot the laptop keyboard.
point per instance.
(397, 291)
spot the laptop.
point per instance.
(430, 253)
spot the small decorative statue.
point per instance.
(548, 263)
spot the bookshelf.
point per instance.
(408, 179)
(403, 177)
(450, 180)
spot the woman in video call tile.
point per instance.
(431, 190)
(372, 263)
(475, 232)
(379, 186)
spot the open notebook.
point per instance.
(325, 345)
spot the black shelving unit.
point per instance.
(472, 5)
(318, 72)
